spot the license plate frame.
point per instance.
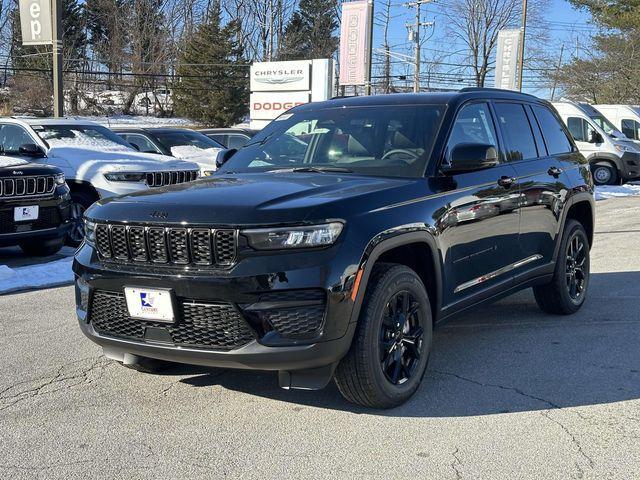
(160, 304)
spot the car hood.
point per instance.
(257, 199)
(114, 159)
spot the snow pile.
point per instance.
(11, 162)
(139, 121)
(191, 152)
(36, 276)
(614, 191)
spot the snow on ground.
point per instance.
(36, 276)
(614, 191)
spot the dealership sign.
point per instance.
(269, 105)
(355, 39)
(281, 76)
(35, 22)
(507, 58)
(278, 86)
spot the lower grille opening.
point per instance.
(48, 217)
(199, 325)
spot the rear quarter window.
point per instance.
(553, 131)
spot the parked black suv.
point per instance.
(35, 207)
(331, 245)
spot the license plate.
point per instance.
(150, 304)
(24, 214)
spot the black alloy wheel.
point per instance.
(401, 339)
(577, 267)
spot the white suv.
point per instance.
(96, 162)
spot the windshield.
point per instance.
(88, 136)
(186, 138)
(605, 125)
(382, 140)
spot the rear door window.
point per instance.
(553, 131)
(516, 130)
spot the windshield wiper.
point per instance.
(319, 170)
(260, 142)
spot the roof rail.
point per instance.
(492, 89)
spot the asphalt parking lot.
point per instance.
(510, 393)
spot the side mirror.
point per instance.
(224, 156)
(595, 137)
(468, 157)
(31, 150)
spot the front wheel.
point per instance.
(80, 201)
(604, 173)
(567, 291)
(392, 343)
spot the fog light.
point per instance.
(82, 298)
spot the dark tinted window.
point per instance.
(580, 129)
(554, 135)
(472, 125)
(516, 130)
(12, 137)
(237, 141)
(631, 129)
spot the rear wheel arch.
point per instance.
(416, 250)
(582, 212)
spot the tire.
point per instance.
(42, 249)
(604, 173)
(149, 365)
(365, 376)
(557, 296)
(80, 202)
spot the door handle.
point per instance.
(506, 182)
(555, 172)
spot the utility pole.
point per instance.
(367, 88)
(555, 80)
(56, 30)
(524, 36)
(414, 35)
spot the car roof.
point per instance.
(50, 121)
(440, 98)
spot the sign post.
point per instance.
(41, 24)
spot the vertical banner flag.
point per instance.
(355, 41)
(35, 22)
(507, 58)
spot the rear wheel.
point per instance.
(567, 291)
(392, 343)
(42, 249)
(604, 173)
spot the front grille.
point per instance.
(16, 187)
(161, 179)
(167, 245)
(199, 325)
(48, 217)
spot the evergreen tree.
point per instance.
(310, 32)
(212, 87)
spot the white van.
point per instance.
(614, 158)
(626, 118)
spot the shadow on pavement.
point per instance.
(505, 357)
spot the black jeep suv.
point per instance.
(331, 244)
(35, 207)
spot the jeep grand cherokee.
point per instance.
(331, 244)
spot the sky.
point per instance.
(564, 25)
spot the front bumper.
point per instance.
(328, 271)
(630, 166)
(53, 223)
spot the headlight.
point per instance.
(125, 176)
(59, 179)
(624, 148)
(89, 232)
(294, 237)
(208, 173)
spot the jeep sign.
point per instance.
(35, 22)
